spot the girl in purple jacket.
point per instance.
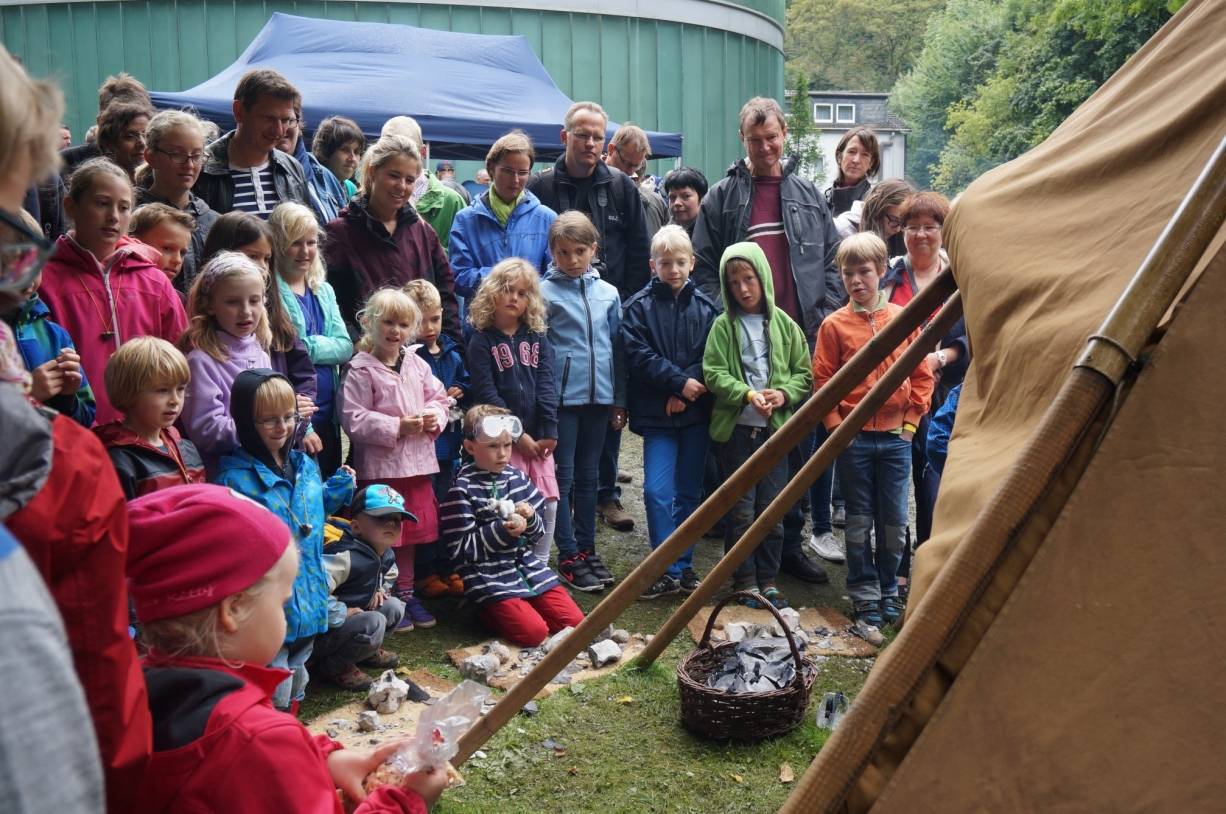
(393, 408)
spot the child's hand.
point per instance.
(429, 784)
(410, 425)
(527, 446)
(376, 601)
(455, 393)
(349, 767)
(312, 444)
(515, 525)
(775, 398)
(524, 510)
(69, 363)
(617, 417)
(352, 612)
(306, 407)
(545, 447)
(48, 381)
(675, 405)
(429, 421)
(760, 404)
(692, 390)
(348, 470)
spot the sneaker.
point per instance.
(892, 608)
(432, 587)
(611, 512)
(690, 580)
(664, 586)
(455, 585)
(839, 517)
(598, 567)
(576, 574)
(406, 624)
(867, 611)
(867, 632)
(827, 546)
(413, 609)
(381, 660)
(352, 679)
(774, 596)
(623, 476)
(802, 568)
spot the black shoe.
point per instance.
(689, 580)
(576, 574)
(598, 567)
(803, 569)
(664, 586)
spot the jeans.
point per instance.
(292, 656)
(358, 638)
(762, 566)
(673, 463)
(581, 434)
(874, 471)
(607, 488)
(431, 558)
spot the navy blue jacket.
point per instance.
(356, 571)
(448, 367)
(663, 338)
(516, 372)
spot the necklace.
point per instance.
(304, 529)
(108, 322)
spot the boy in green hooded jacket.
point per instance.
(756, 365)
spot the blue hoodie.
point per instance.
(40, 340)
(479, 241)
(584, 316)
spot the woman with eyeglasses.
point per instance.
(174, 156)
(506, 220)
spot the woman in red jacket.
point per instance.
(379, 240)
(210, 572)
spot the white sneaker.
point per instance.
(827, 546)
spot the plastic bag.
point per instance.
(436, 740)
(831, 710)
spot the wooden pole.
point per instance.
(708, 514)
(912, 357)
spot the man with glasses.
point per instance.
(580, 180)
(243, 169)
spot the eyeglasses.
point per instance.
(505, 170)
(181, 159)
(594, 138)
(922, 230)
(289, 419)
(289, 121)
(493, 426)
(893, 222)
(21, 259)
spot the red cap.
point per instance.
(192, 546)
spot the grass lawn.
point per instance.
(631, 756)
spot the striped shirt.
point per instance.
(494, 565)
(254, 190)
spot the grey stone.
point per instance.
(556, 639)
(480, 668)
(607, 633)
(530, 709)
(368, 721)
(387, 693)
(620, 636)
(479, 755)
(738, 631)
(790, 618)
(604, 652)
(501, 652)
(561, 678)
(332, 732)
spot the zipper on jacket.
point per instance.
(565, 376)
(591, 344)
(110, 301)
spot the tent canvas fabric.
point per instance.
(465, 90)
(1087, 678)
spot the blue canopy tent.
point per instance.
(465, 90)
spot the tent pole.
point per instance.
(824, 457)
(712, 509)
(1045, 476)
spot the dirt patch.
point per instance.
(512, 675)
(341, 724)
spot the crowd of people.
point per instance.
(263, 398)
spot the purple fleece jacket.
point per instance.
(206, 410)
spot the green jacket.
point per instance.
(721, 363)
(438, 206)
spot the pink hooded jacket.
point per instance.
(374, 399)
(104, 305)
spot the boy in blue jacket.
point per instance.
(433, 570)
(664, 332)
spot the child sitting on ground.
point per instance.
(266, 468)
(209, 572)
(435, 574)
(490, 521)
(875, 469)
(664, 333)
(166, 229)
(756, 364)
(146, 380)
(363, 607)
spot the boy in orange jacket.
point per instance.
(875, 469)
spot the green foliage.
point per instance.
(804, 140)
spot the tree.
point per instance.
(804, 140)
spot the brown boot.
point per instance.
(381, 660)
(352, 679)
(613, 514)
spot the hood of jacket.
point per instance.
(25, 456)
(740, 167)
(753, 254)
(33, 310)
(527, 203)
(242, 409)
(363, 360)
(117, 434)
(556, 274)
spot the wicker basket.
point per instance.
(743, 716)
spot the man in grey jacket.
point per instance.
(762, 200)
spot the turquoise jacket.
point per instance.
(304, 507)
(333, 347)
(584, 318)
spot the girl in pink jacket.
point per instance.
(99, 287)
(393, 408)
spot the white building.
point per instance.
(837, 111)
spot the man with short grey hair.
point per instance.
(628, 151)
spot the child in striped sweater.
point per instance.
(490, 523)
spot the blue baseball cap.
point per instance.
(380, 500)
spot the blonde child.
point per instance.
(512, 366)
(393, 408)
(147, 379)
(584, 317)
(100, 288)
(228, 334)
(167, 230)
(435, 574)
(310, 304)
(266, 468)
(209, 573)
